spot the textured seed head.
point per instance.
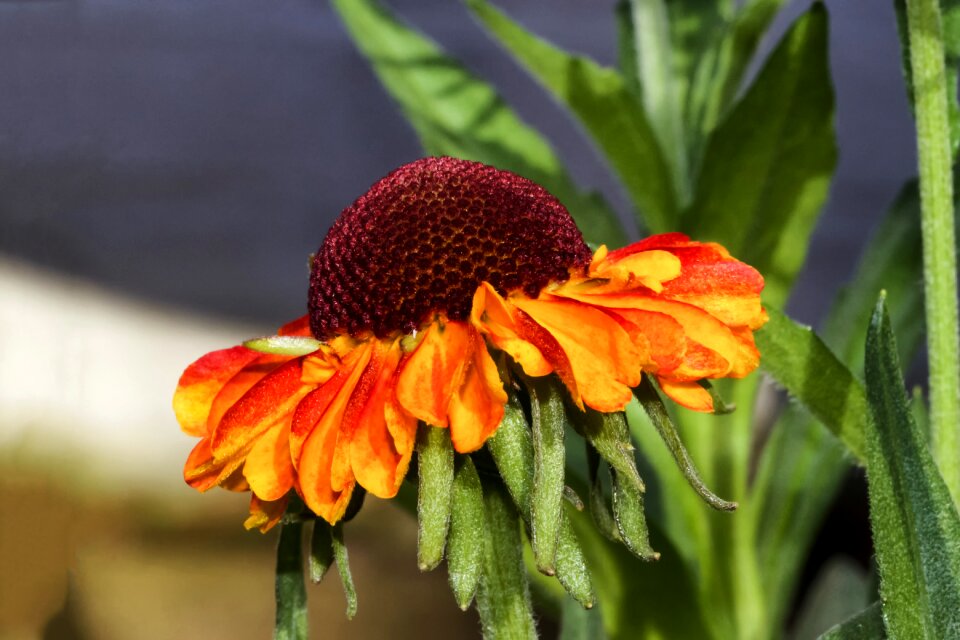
(423, 238)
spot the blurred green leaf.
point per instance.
(435, 497)
(893, 260)
(503, 599)
(841, 590)
(916, 528)
(577, 623)
(767, 167)
(796, 358)
(546, 497)
(720, 62)
(291, 594)
(641, 599)
(467, 534)
(866, 625)
(456, 114)
(609, 111)
(951, 43)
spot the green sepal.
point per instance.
(650, 400)
(435, 496)
(512, 450)
(284, 345)
(631, 523)
(467, 533)
(503, 599)
(720, 406)
(321, 550)
(609, 435)
(343, 568)
(549, 459)
(599, 510)
(291, 594)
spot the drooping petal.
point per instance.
(496, 319)
(664, 337)
(314, 433)
(270, 401)
(476, 409)
(264, 515)
(648, 268)
(434, 371)
(604, 361)
(202, 381)
(377, 462)
(268, 467)
(687, 394)
(199, 471)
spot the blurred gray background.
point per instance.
(194, 152)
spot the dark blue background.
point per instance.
(195, 151)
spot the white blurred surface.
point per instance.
(87, 376)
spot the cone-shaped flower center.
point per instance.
(423, 238)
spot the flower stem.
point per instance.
(939, 259)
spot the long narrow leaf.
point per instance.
(916, 528)
(602, 101)
(456, 114)
(798, 360)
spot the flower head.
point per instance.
(440, 267)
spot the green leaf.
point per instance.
(798, 360)
(609, 111)
(456, 114)
(291, 595)
(467, 534)
(722, 62)
(866, 625)
(916, 528)
(767, 167)
(321, 551)
(951, 43)
(840, 591)
(577, 623)
(549, 457)
(343, 568)
(893, 260)
(435, 497)
(650, 400)
(283, 345)
(503, 599)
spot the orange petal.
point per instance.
(476, 409)
(604, 361)
(434, 371)
(268, 468)
(376, 462)
(687, 394)
(200, 471)
(495, 318)
(270, 401)
(202, 381)
(648, 268)
(298, 327)
(265, 515)
(315, 431)
(664, 337)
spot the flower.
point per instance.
(441, 266)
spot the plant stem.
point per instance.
(939, 260)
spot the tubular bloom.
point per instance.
(442, 269)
